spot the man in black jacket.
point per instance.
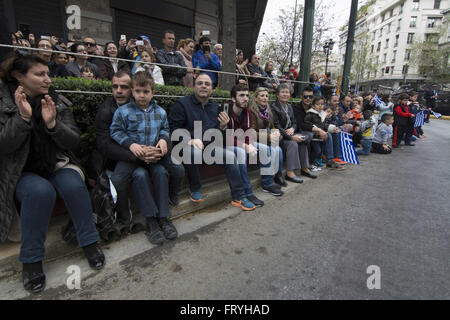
(168, 55)
(112, 152)
(258, 75)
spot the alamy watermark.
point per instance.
(73, 281)
(374, 281)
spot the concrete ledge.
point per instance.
(216, 191)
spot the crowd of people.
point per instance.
(139, 144)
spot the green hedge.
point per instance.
(85, 105)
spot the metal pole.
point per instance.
(305, 59)
(326, 63)
(349, 49)
(293, 32)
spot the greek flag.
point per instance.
(377, 100)
(420, 119)
(437, 115)
(348, 149)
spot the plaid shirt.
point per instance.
(131, 125)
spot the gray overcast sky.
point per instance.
(338, 14)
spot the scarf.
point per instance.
(264, 115)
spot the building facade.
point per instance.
(384, 37)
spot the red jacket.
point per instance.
(246, 125)
(398, 110)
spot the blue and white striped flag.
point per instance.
(437, 115)
(420, 119)
(347, 148)
(377, 100)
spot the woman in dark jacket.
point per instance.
(294, 144)
(37, 137)
(108, 67)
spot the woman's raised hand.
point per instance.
(25, 110)
(48, 112)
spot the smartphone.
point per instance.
(45, 37)
(25, 29)
(123, 37)
(205, 33)
(224, 108)
(139, 43)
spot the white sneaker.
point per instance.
(315, 169)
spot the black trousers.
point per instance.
(399, 131)
(378, 148)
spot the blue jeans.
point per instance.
(241, 157)
(37, 197)
(273, 154)
(232, 171)
(336, 145)
(366, 147)
(323, 147)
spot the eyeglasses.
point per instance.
(89, 44)
(308, 97)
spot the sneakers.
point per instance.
(275, 191)
(168, 228)
(339, 161)
(244, 204)
(258, 203)
(315, 168)
(318, 163)
(197, 197)
(333, 165)
(154, 233)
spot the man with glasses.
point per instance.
(81, 61)
(257, 73)
(91, 46)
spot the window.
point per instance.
(410, 38)
(394, 56)
(391, 14)
(384, 57)
(382, 71)
(374, 34)
(437, 4)
(431, 37)
(387, 44)
(407, 55)
(383, 16)
(415, 5)
(381, 32)
(400, 11)
(405, 69)
(396, 40)
(399, 24)
(375, 73)
(392, 70)
(389, 28)
(379, 47)
(431, 22)
(412, 22)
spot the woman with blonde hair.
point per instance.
(186, 49)
(266, 133)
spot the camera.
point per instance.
(139, 43)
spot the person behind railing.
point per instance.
(258, 75)
(169, 56)
(241, 68)
(274, 82)
(186, 49)
(294, 143)
(204, 59)
(108, 67)
(81, 61)
(153, 70)
(199, 108)
(38, 135)
(87, 72)
(91, 47)
(58, 64)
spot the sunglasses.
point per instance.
(89, 44)
(308, 97)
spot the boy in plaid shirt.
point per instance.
(139, 125)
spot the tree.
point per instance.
(362, 60)
(277, 46)
(431, 60)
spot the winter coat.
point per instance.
(106, 70)
(172, 76)
(15, 138)
(280, 119)
(262, 131)
(314, 118)
(155, 72)
(199, 60)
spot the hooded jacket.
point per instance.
(314, 118)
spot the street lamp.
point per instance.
(327, 48)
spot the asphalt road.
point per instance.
(315, 242)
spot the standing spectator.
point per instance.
(206, 60)
(218, 50)
(257, 74)
(80, 61)
(274, 82)
(186, 49)
(368, 102)
(91, 47)
(38, 136)
(403, 122)
(168, 55)
(431, 98)
(241, 68)
(198, 108)
(108, 67)
(293, 70)
(317, 85)
(327, 86)
(58, 64)
(155, 71)
(45, 44)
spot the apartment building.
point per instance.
(388, 31)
